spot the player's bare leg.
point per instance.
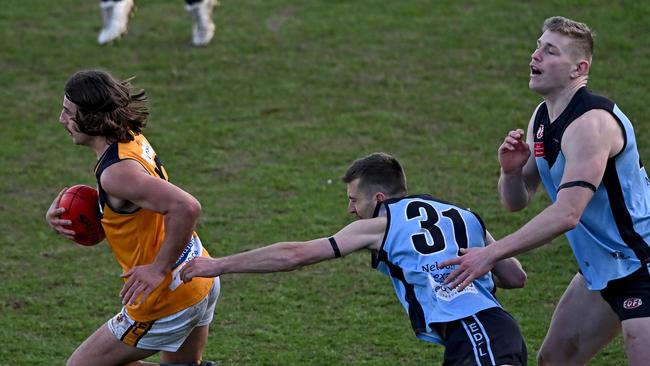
(582, 324)
(103, 349)
(191, 350)
(637, 344)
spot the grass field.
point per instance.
(259, 126)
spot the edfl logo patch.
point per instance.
(632, 303)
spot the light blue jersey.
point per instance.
(422, 232)
(611, 238)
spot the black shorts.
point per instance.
(629, 296)
(490, 337)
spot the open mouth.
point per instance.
(534, 70)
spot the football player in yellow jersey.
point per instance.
(149, 225)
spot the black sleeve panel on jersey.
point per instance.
(110, 157)
(480, 221)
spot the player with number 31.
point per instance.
(408, 237)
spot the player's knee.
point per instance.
(550, 360)
(542, 358)
(71, 361)
(558, 353)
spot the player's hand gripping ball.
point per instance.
(81, 205)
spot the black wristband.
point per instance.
(335, 247)
(577, 183)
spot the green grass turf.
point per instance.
(256, 125)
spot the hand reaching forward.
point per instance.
(472, 264)
(200, 267)
(54, 220)
(142, 280)
(513, 152)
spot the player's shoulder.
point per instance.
(596, 129)
(138, 147)
(371, 226)
(123, 172)
(594, 120)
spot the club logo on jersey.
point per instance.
(632, 303)
(446, 293)
(539, 150)
(148, 153)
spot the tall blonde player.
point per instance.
(582, 148)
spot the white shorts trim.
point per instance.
(167, 333)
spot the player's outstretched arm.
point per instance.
(287, 256)
(587, 145)
(555, 220)
(54, 220)
(278, 257)
(508, 272)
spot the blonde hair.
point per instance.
(580, 33)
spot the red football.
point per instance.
(81, 205)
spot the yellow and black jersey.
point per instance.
(135, 237)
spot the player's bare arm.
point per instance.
(519, 177)
(54, 220)
(287, 256)
(587, 145)
(180, 211)
(508, 273)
